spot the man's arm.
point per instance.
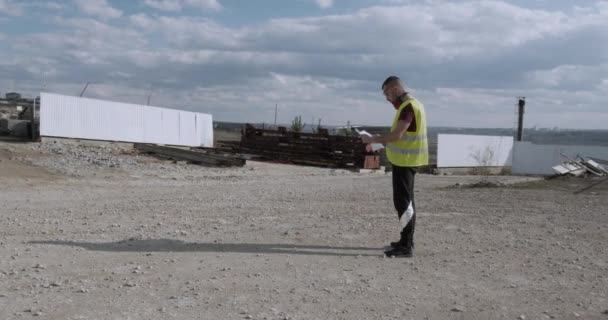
(395, 135)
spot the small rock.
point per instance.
(248, 317)
(522, 317)
(37, 313)
(40, 266)
(457, 309)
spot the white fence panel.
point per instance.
(84, 118)
(170, 127)
(465, 151)
(538, 159)
(187, 124)
(204, 130)
(153, 121)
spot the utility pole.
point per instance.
(521, 102)
(149, 95)
(85, 89)
(32, 121)
(276, 107)
(43, 82)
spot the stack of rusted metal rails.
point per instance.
(317, 149)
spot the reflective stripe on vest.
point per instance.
(411, 150)
(414, 138)
(407, 151)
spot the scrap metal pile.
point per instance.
(581, 166)
(590, 167)
(318, 149)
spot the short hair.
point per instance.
(391, 80)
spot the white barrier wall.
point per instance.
(84, 118)
(463, 151)
(537, 159)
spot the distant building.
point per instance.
(13, 96)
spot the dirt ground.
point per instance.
(112, 235)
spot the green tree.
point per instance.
(296, 124)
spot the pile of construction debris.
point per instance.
(83, 159)
(78, 159)
(582, 166)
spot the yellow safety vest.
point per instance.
(412, 150)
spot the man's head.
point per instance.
(393, 88)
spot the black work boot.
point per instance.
(399, 252)
(401, 249)
(398, 243)
(405, 239)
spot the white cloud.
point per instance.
(46, 5)
(90, 42)
(179, 5)
(98, 8)
(189, 32)
(143, 21)
(11, 8)
(466, 60)
(569, 76)
(53, 5)
(324, 4)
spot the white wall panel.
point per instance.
(187, 124)
(152, 121)
(463, 151)
(204, 130)
(538, 159)
(84, 118)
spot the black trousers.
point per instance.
(403, 197)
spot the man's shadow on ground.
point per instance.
(171, 245)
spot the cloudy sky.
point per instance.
(467, 61)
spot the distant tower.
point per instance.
(521, 102)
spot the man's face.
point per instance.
(392, 91)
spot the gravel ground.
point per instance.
(103, 233)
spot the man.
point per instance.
(406, 149)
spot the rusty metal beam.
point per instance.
(192, 156)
